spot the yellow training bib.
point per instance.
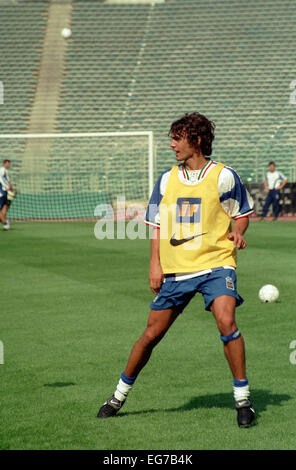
(194, 226)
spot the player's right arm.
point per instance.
(152, 219)
(266, 185)
(156, 275)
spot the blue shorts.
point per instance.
(179, 293)
(3, 198)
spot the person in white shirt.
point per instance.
(5, 186)
(273, 183)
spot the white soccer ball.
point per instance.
(66, 33)
(269, 293)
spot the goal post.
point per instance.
(64, 176)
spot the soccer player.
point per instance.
(5, 186)
(194, 251)
(273, 183)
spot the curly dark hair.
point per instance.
(192, 126)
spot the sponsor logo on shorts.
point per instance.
(229, 283)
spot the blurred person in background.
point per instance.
(273, 183)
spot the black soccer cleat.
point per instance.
(110, 408)
(245, 413)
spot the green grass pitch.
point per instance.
(71, 309)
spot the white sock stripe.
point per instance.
(122, 390)
(123, 387)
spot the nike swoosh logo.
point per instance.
(175, 242)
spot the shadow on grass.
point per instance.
(59, 384)
(260, 399)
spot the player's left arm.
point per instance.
(5, 182)
(238, 230)
(9, 182)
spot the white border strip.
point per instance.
(149, 134)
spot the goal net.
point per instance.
(65, 176)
